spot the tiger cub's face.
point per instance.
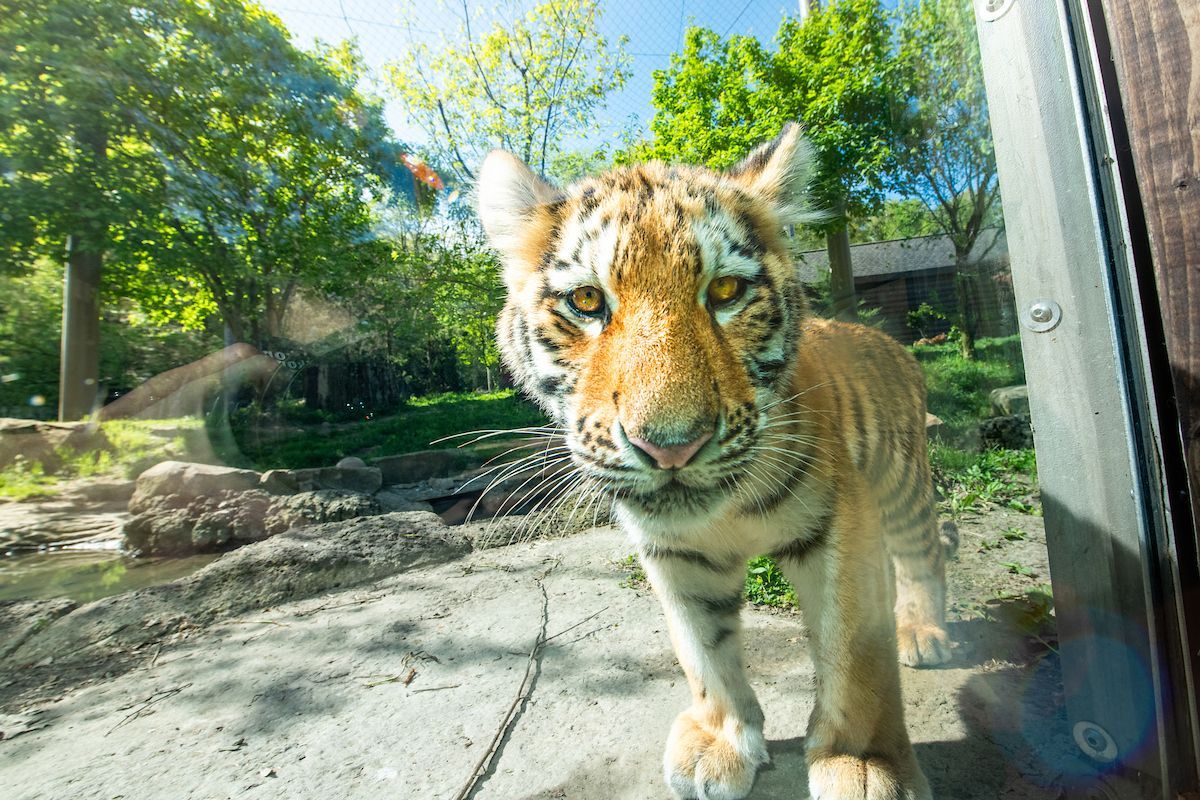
(653, 311)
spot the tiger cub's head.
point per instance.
(653, 311)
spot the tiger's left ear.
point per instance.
(780, 172)
(508, 195)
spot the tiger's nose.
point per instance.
(671, 456)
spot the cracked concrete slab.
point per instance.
(395, 689)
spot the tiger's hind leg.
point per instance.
(918, 553)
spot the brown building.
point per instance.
(897, 276)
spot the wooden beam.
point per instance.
(1156, 51)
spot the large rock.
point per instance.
(176, 524)
(392, 499)
(278, 481)
(346, 479)
(189, 481)
(1012, 432)
(312, 508)
(426, 464)
(1009, 400)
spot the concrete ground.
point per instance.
(396, 689)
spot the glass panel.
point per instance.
(240, 260)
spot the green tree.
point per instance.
(832, 70)
(132, 348)
(271, 160)
(526, 87)
(898, 218)
(192, 150)
(717, 100)
(943, 146)
(68, 158)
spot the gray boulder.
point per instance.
(392, 499)
(1012, 432)
(1009, 400)
(188, 480)
(278, 481)
(325, 505)
(176, 524)
(346, 479)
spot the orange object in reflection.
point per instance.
(422, 171)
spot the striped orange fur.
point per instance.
(656, 313)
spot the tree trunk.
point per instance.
(843, 302)
(965, 294)
(79, 373)
(79, 368)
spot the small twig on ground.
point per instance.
(388, 679)
(157, 650)
(329, 606)
(522, 696)
(436, 688)
(588, 618)
(157, 697)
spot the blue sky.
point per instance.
(385, 28)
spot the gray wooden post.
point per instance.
(1081, 341)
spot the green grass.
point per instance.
(635, 576)
(765, 582)
(127, 448)
(25, 481)
(423, 421)
(259, 441)
(975, 481)
(959, 389)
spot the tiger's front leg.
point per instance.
(857, 746)
(716, 746)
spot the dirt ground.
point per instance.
(399, 686)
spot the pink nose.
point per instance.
(673, 456)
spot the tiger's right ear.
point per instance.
(508, 195)
(780, 172)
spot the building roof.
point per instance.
(905, 255)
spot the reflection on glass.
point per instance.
(239, 258)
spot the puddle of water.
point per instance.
(86, 574)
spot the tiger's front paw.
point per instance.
(843, 777)
(706, 764)
(922, 645)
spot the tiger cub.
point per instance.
(655, 313)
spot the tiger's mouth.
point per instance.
(691, 493)
(672, 499)
(688, 494)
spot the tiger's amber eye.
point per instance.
(726, 289)
(587, 300)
